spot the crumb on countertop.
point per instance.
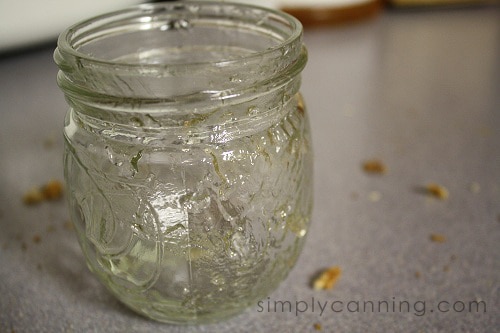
(475, 187)
(37, 239)
(33, 196)
(317, 327)
(438, 238)
(53, 190)
(300, 104)
(327, 279)
(437, 191)
(68, 225)
(374, 196)
(374, 166)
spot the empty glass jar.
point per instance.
(188, 155)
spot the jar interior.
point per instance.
(172, 33)
(176, 57)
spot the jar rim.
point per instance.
(66, 40)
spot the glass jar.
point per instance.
(188, 155)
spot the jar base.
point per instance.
(169, 313)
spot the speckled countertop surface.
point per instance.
(418, 90)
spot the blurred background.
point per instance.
(27, 23)
(412, 86)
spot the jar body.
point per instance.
(192, 233)
(190, 216)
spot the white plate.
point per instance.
(28, 22)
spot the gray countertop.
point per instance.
(419, 90)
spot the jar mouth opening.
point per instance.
(153, 36)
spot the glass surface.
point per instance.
(188, 155)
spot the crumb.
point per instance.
(37, 239)
(374, 166)
(438, 238)
(49, 142)
(317, 327)
(33, 196)
(374, 196)
(437, 191)
(68, 225)
(446, 268)
(475, 187)
(418, 275)
(453, 257)
(300, 104)
(327, 279)
(52, 190)
(485, 131)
